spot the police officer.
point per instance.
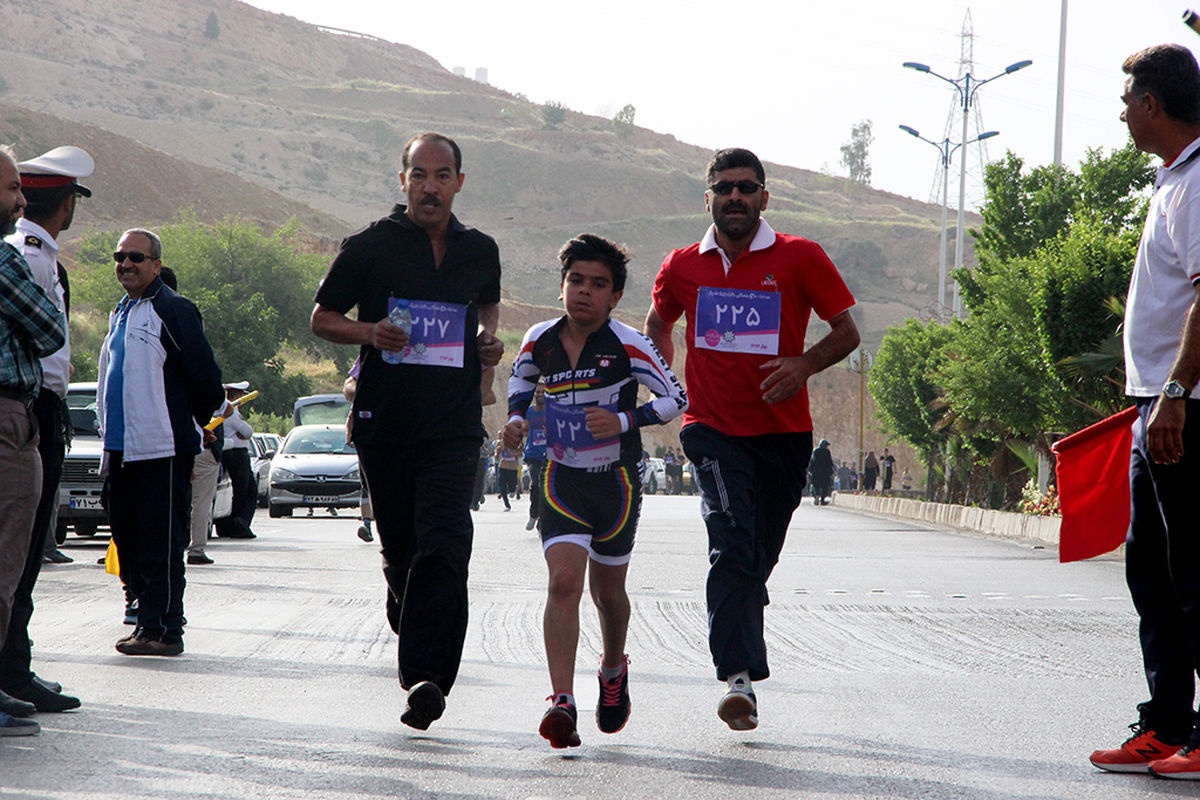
(51, 187)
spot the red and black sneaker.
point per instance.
(1136, 754)
(612, 712)
(1184, 765)
(558, 723)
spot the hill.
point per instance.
(277, 118)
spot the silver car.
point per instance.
(314, 468)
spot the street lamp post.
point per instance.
(945, 151)
(966, 86)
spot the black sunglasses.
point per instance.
(743, 187)
(136, 258)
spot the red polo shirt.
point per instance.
(723, 387)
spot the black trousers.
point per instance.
(148, 510)
(1162, 568)
(245, 495)
(16, 655)
(421, 495)
(537, 468)
(749, 487)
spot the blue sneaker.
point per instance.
(12, 726)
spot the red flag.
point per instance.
(1093, 487)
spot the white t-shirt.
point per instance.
(1161, 290)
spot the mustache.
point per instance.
(734, 205)
(431, 200)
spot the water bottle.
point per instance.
(401, 317)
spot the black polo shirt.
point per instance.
(393, 257)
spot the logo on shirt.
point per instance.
(604, 362)
(769, 280)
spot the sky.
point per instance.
(789, 78)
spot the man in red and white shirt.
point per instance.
(747, 293)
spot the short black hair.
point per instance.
(1169, 72)
(590, 247)
(732, 157)
(41, 204)
(432, 137)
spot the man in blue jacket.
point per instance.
(158, 384)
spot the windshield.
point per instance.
(332, 440)
(84, 421)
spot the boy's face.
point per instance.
(587, 292)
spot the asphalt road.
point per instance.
(908, 662)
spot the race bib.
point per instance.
(738, 320)
(569, 443)
(438, 334)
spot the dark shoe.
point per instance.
(365, 534)
(739, 708)
(558, 724)
(141, 646)
(425, 704)
(57, 557)
(14, 707)
(53, 686)
(529, 525)
(11, 726)
(198, 558)
(45, 700)
(612, 712)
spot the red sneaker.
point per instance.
(1136, 754)
(1183, 766)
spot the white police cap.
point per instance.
(59, 167)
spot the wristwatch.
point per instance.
(1173, 390)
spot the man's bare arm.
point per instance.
(334, 326)
(790, 373)
(659, 332)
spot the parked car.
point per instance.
(314, 468)
(263, 447)
(79, 490)
(654, 475)
(320, 409)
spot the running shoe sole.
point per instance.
(558, 728)
(738, 711)
(426, 703)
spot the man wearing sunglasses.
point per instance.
(747, 293)
(158, 384)
(51, 187)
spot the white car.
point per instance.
(314, 468)
(263, 447)
(654, 475)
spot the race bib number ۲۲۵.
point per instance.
(738, 320)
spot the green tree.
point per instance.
(623, 120)
(212, 28)
(856, 151)
(254, 291)
(554, 114)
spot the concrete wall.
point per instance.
(997, 523)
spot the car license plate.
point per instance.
(319, 499)
(85, 502)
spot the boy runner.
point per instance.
(591, 492)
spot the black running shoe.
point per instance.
(558, 724)
(425, 704)
(612, 712)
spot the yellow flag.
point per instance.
(111, 565)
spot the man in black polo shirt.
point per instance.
(427, 290)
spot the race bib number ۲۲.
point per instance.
(569, 443)
(738, 320)
(438, 334)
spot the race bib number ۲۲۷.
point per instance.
(438, 333)
(738, 320)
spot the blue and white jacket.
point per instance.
(172, 384)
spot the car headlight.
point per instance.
(352, 475)
(281, 474)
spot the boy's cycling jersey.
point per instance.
(614, 360)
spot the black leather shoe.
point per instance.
(44, 699)
(16, 708)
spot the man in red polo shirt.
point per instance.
(747, 293)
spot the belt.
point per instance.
(24, 398)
